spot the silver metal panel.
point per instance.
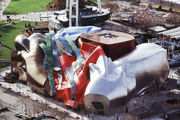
(157, 28)
(175, 34)
(34, 58)
(168, 32)
(21, 43)
(177, 37)
(114, 83)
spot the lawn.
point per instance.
(3, 22)
(7, 36)
(26, 6)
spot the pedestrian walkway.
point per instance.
(33, 16)
(3, 5)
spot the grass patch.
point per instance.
(3, 23)
(26, 6)
(8, 34)
(95, 1)
(3, 65)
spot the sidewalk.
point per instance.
(33, 16)
(3, 5)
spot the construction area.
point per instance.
(84, 60)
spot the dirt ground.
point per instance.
(12, 103)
